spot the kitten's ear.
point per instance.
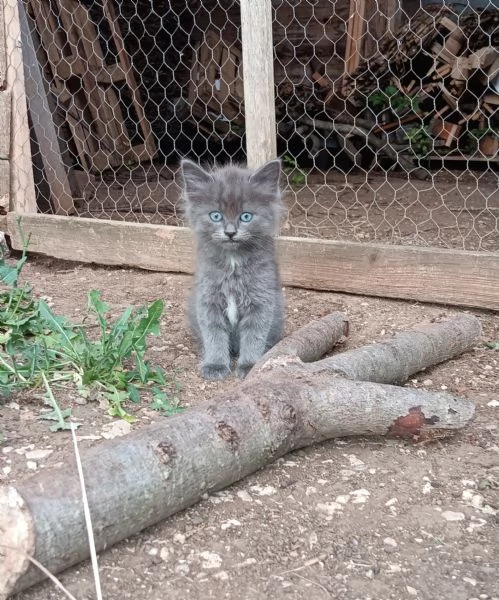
(267, 177)
(194, 176)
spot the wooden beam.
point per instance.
(3, 51)
(414, 273)
(43, 123)
(125, 66)
(4, 185)
(259, 95)
(22, 185)
(5, 105)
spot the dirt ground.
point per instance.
(453, 208)
(355, 519)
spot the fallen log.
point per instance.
(284, 404)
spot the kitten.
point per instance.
(236, 307)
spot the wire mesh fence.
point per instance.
(387, 112)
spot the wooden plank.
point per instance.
(258, 65)
(3, 51)
(43, 124)
(149, 146)
(5, 104)
(4, 186)
(22, 185)
(408, 272)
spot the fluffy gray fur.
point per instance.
(236, 307)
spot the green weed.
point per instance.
(39, 348)
(297, 176)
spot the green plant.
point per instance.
(420, 140)
(479, 133)
(37, 346)
(298, 176)
(391, 98)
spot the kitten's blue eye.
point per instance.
(246, 217)
(216, 216)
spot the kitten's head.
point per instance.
(232, 206)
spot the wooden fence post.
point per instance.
(22, 185)
(258, 71)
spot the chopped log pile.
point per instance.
(431, 83)
(439, 76)
(432, 88)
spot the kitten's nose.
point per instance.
(230, 231)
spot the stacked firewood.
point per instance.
(448, 65)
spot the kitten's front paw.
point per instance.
(215, 371)
(243, 370)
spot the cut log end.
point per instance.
(17, 539)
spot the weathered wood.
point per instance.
(22, 185)
(147, 150)
(43, 124)
(394, 360)
(427, 274)
(259, 97)
(158, 470)
(4, 185)
(3, 51)
(5, 116)
(355, 29)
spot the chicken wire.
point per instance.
(382, 110)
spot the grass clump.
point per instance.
(39, 348)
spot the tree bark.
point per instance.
(284, 404)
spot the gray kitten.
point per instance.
(236, 307)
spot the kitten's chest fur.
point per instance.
(234, 283)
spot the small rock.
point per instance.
(164, 553)
(427, 488)
(450, 515)
(246, 563)
(210, 560)
(329, 508)
(342, 499)
(264, 490)
(390, 542)
(394, 568)
(493, 403)
(312, 540)
(244, 496)
(31, 464)
(360, 496)
(182, 569)
(410, 590)
(476, 500)
(222, 575)
(116, 429)
(230, 523)
(179, 538)
(469, 580)
(38, 454)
